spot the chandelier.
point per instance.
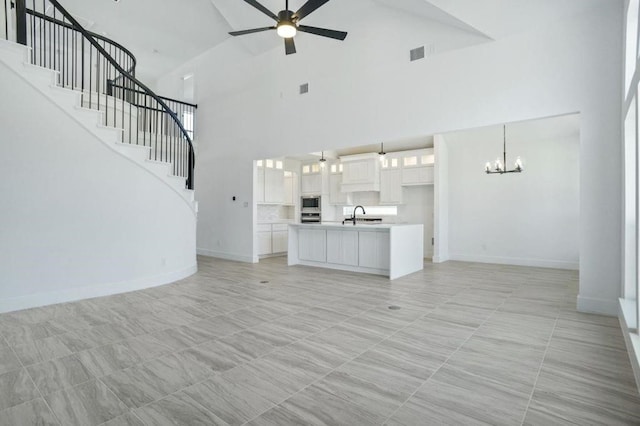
(500, 167)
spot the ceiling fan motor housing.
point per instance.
(286, 16)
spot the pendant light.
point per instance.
(382, 153)
(500, 167)
(322, 160)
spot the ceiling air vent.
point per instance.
(417, 53)
(304, 88)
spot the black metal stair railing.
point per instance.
(104, 72)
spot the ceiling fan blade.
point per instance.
(262, 9)
(338, 35)
(309, 7)
(289, 46)
(254, 30)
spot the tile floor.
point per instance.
(267, 344)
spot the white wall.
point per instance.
(418, 208)
(529, 218)
(364, 90)
(441, 200)
(77, 218)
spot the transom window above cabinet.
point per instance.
(427, 159)
(274, 164)
(336, 168)
(310, 168)
(390, 163)
(270, 164)
(411, 161)
(418, 159)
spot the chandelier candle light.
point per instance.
(500, 167)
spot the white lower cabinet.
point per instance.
(364, 249)
(374, 249)
(312, 245)
(342, 247)
(264, 243)
(272, 238)
(279, 241)
(360, 248)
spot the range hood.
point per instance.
(360, 173)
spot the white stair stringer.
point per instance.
(17, 58)
(137, 152)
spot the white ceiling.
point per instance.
(164, 34)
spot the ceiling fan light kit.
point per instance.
(287, 23)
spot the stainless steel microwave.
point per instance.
(310, 202)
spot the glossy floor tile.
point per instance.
(268, 344)
(16, 387)
(90, 403)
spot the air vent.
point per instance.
(417, 53)
(304, 88)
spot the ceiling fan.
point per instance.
(287, 23)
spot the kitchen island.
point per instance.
(392, 250)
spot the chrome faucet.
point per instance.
(354, 213)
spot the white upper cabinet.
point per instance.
(270, 182)
(391, 186)
(336, 196)
(259, 192)
(311, 179)
(289, 187)
(361, 172)
(391, 179)
(417, 167)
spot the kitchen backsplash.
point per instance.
(273, 213)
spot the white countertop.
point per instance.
(350, 225)
(275, 221)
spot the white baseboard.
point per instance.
(540, 263)
(439, 259)
(593, 305)
(631, 340)
(86, 292)
(227, 256)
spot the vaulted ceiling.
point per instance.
(164, 34)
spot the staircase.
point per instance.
(99, 195)
(93, 79)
